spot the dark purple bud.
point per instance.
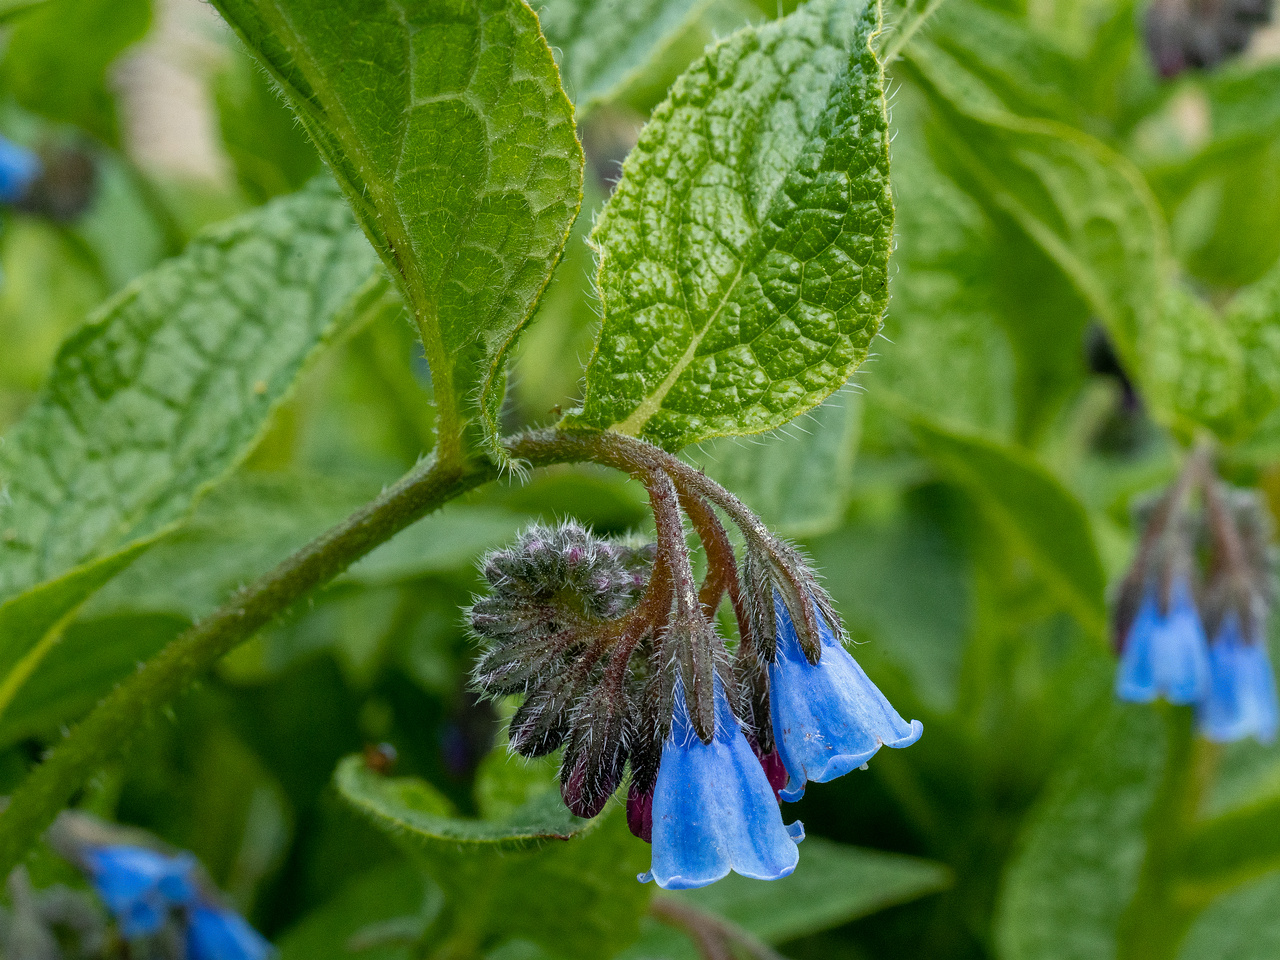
(640, 813)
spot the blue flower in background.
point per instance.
(19, 168)
(713, 808)
(828, 718)
(215, 933)
(1241, 699)
(1165, 654)
(139, 886)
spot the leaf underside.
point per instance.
(743, 255)
(446, 125)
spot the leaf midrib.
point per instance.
(648, 407)
(449, 443)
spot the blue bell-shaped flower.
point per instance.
(140, 886)
(828, 718)
(1165, 655)
(215, 933)
(1241, 700)
(713, 808)
(19, 168)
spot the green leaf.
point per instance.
(337, 928)
(46, 79)
(832, 885)
(1242, 925)
(950, 359)
(604, 45)
(446, 125)
(516, 877)
(1084, 204)
(1030, 507)
(1081, 853)
(166, 388)
(1251, 317)
(743, 254)
(11, 9)
(1027, 71)
(798, 481)
(1090, 211)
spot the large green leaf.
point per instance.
(603, 45)
(446, 125)
(743, 254)
(1087, 206)
(539, 873)
(1092, 213)
(1027, 504)
(45, 77)
(949, 359)
(833, 884)
(165, 389)
(1081, 854)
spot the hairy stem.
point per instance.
(106, 732)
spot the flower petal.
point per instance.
(1165, 655)
(1241, 701)
(828, 718)
(214, 933)
(713, 808)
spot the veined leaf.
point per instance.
(605, 44)
(1029, 506)
(743, 254)
(1066, 890)
(167, 387)
(446, 125)
(1086, 205)
(516, 877)
(1090, 210)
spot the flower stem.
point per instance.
(106, 732)
(713, 936)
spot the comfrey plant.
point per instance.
(1201, 639)
(617, 655)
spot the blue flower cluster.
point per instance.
(144, 890)
(1229, 680)
(1165, 650)
(715, 805)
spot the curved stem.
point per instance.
(107, 730)
(713, 936)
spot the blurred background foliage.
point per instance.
(967, 497)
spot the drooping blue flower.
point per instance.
(1165, 655)
(19, 167)
(828, 718)
(140, 886)
(215, 933)
(713, 808)
(1241, 701)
